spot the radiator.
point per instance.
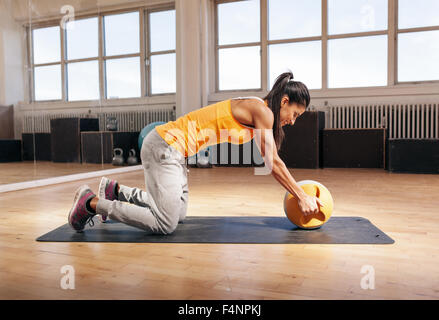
(132, 121)
(403, 121)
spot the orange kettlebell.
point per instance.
(312, 221)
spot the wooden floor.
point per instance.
(13, 172)
(404, 206)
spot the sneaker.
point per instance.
(79, 216)
(107, 190)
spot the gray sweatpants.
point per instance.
(164, 203)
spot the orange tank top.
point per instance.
(205, 127)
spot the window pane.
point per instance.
(420, 13)
(347, 16)
(239, 68)
(83, 80)
(163, 73)
(238, 22)
(122, 33)
(48, 83)
(304, 59)
(418, 56)
(162, 30)
(123, 78)
(357, 62)
(46, 45)
(294, 18)
(82, 38)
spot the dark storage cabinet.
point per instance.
(354, 148)
(302, 145)
(10, 150)
(99, 146)
(66, 137)
(413, 155)
(42, 150)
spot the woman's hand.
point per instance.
(309, 205)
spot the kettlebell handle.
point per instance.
(316, 192)
(116, 150)
(132, 153)
(317, 195)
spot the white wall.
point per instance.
(11, 56)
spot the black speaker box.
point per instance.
(88, 124)
(354, 148)
(10, 150)
(413, 155)
(96, 147)
(301, 147)
(99, 146)
(66, 138)
(42, 146)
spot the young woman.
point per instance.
(163, 205)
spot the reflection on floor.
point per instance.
(14, 172)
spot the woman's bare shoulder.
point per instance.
(259, 112)
(257, 106)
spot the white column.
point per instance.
(191, 55)
(11, 53)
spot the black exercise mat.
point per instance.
(347, 230)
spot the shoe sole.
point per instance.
(75, 203)
(101, 194)
(102, 186)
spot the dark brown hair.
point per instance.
(296, 92)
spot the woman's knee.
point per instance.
(169, 226)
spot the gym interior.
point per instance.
(80, 80)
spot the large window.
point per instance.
(356, 57)
(357, 62)
(326, 43)
(347, 16)
(122, 55)
(161, 53)
(104, 57)
(82, 43)
(294, 40)
(46, 60)
(239, 45)
(303, 58)
(418, 40)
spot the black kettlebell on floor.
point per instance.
(132, 159)
(117, 157)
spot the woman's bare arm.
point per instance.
(263, 121)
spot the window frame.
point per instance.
(33, 65)
(102, 68)
(408, 30)
(66, 61)
(149, 53)
(391, 32)
(145, 77)
(239, 45)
